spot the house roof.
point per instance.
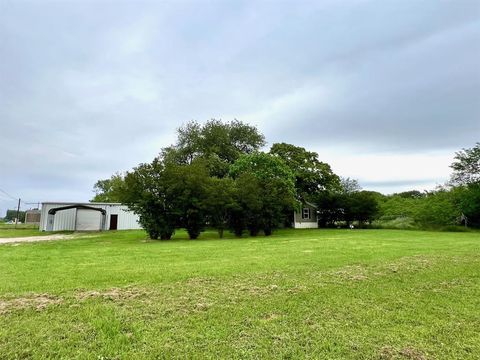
(310, 204)
(77, 203)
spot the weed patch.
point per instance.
(113, 294)
(37, 302)
(391, 353)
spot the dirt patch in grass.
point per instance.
(361, 272)
(446, 286)
(406, 264)
(196, 294)
(200, 281)
(202, 306)
(262, 284)
(114, 294)
(296, 289)
(256, 290)
(268, 284)
(411, 353)
(38, 302)
(391, 353)
(352, 273)
(271, 317)
(411, 263)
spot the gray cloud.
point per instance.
(90, 88)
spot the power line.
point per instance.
(16, 198)
(10, 196)
(32, 203)
(20, 201)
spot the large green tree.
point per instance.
(188, 188)
(218, 143)
(330, 208)
(147, 193)
(251, 202)
(184, 186)
(109, 190)
(267, 188)
(348, 204)
(221, 203)
(311, 174)
(167, 195)
(364, 206)
(438, 208)
(399, 206)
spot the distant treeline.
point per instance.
(12, 214)
(216, 176)
(446, 208)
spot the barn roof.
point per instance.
(75, 206)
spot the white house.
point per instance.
(307, 218)
(58, 216)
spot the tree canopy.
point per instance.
(147, 193)
(109, 190)
(349, 186)
(215, 175)
(188, 186)
(267, 187)
(311, 174)
(216, 142)
(12, 214)
(466, 167)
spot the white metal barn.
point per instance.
(86, 217)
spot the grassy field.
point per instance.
(21, 230)
(25, 230)
(335, 294)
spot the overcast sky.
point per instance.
(384, 91)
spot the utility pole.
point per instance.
(18, 211)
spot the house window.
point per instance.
(306, 214)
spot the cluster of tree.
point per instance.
(215, 175)
(167, 195)
(446, 206)
(347, 205)
(456, 203)
(12, 214)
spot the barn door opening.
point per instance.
(88, 220)
(113, 221)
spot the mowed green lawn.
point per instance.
(334, 294)
(22, 230)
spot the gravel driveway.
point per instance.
(36, 238)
